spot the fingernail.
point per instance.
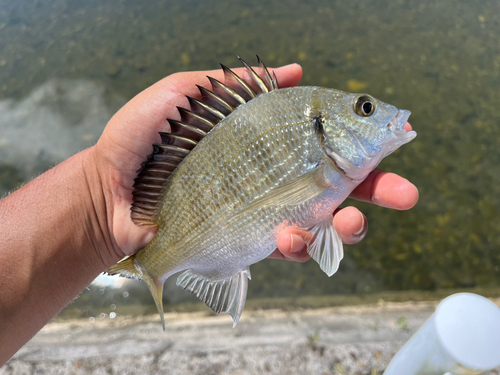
(296, 243)
(363, 222)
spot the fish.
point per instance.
(246, 161)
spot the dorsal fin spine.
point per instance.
(229, 74)
(195, 119)
(148, 193)
(215, 100)
(177, 140)
(262, 86)
(165, 164)
(268, 80)
(275, 81)
(146, 206)
(188, 130)
(225, 92)
(160, 170)
(196, 105)
(150, 200)
(153, 178)
(167, 137)
(172, 148)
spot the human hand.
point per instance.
(127, 139)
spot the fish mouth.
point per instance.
(396, 125)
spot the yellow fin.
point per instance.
(126, 268)
(295, 192)
(156, 289)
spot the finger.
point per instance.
(350, 224)
(288, 76)
(387, 190)
(291, 245)
(182, 84)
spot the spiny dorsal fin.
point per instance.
(271, 83)
(255, 77)
(185, 134)
(230, 96)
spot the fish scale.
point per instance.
(281, 158)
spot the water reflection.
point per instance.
(54, 121)
(64, 63)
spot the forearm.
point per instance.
(53, 242)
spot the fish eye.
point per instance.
(364, 106)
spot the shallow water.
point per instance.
(66, 66)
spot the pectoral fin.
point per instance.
(325, 246)
(228, 295)
(295, 192)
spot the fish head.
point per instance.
(359, 131)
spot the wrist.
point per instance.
(100, 208)
(54, 240)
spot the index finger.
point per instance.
(146, 114)
(165, 95)
(185, 83)
(387, 190)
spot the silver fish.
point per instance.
(246, 162)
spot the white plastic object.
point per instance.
(462, 337)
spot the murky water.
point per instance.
(66, 66)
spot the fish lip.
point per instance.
(398, 122)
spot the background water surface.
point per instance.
(67, 66)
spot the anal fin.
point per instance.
(325, 246)
(227, 295)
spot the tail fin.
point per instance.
(127, 268)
